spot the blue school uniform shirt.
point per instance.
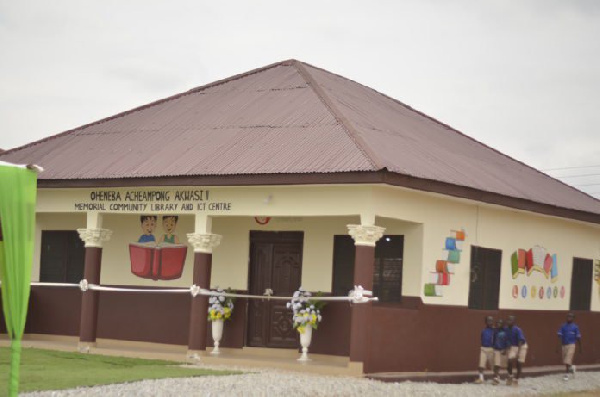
(515, 335)
(487, 337)
(501, 340)
(569, 333)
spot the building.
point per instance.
(290, 175)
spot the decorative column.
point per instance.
(93, 238)
(365, 237)
(203, 245)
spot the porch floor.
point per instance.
(246, 358)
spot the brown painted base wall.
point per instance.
(441, 338)
(407, 337)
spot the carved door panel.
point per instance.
(276, 264)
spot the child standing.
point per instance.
(486, 355)
(516, 352)
(568, 334)
(501, 343)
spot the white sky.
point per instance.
(520, 76)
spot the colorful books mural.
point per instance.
(535, 259)
(444, 268)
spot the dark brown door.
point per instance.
(484, 288)
(276, 264)
(62, 257)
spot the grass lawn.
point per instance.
(54, 370)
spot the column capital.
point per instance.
(365, 235)
(94, 237)
(204, 243)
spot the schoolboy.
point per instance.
(501, 344)
(516, 352)
(486, 354)
(568, 334)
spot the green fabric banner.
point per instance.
(18, 189)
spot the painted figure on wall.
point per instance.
(161, 259)
(148, 223)
(169, 223)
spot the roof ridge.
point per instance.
(449, 127)
(338, 115)
(287, 62)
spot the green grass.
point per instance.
(55, 370)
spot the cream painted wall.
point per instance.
(510, 230)
(425, 219)
(496, 227)
(231, 258)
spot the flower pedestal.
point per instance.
(217, 334)
(305, 339)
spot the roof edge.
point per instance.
(356, 177)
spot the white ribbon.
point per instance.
(357, 295)
(361, 295)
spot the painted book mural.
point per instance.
(539, 270)
(444, 268)
(158, 259)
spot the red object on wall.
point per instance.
(262, 220)
(157, 263)
(529, 262)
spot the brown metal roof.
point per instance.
(288, 118)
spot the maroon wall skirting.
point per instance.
(333, 335)
(442, 338)
(146, 317)
(406, 337)
(54, 310)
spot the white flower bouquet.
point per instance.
(306, 311)
(220, 306)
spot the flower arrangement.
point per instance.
(306, 311)
(221, 306)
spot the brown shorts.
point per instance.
(486, 357)
(568, 351)
(518, 352)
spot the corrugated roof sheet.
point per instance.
(288, 117)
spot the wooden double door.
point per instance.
(275, 264)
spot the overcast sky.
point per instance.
(520, 76)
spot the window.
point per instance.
(581, 284)
(62, 257)
(484, 286)
(387, 274)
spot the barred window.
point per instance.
(387, 274)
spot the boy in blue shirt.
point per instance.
(501, 344)
(568, 334)
(486, 356)
(517, 350)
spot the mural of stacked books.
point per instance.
(444, 268)
(536, 260)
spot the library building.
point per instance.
(291, 176)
